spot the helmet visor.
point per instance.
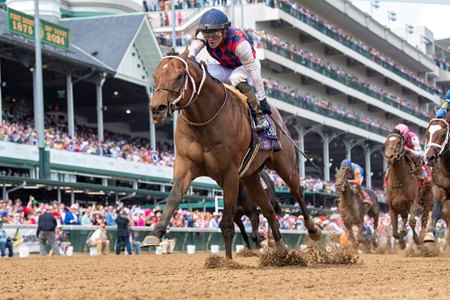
(212, 34)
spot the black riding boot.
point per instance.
(246, 89)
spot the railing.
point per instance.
(285, 97)
(202, 238)
(355, 47)
(346, 80)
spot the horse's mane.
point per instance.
(194, 60)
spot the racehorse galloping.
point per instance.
(402, 189)
(212, 135)
(245, 206)
(351, 208)
(437, 155)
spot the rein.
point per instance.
(188, 77)
(212, 118)
(439, 146)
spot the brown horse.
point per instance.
(245, 206)
(437, 155)
(403, 192)
(351, 208)
(213, 134)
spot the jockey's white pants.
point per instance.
(230, 76)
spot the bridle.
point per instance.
(187, 78)
(442, 146)
(394, 149)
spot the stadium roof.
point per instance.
(75, 55)
(125, 43)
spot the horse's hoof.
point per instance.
(309, 224)
(402, 244)
(150, 240)
(279, 246)
(315, 234)
(429, 238)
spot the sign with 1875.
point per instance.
(23, 24)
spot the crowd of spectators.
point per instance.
(313, 103)
(20, 129)
(14, 212)
(348, 40)
(294, 53)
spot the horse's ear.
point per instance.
(185, 53)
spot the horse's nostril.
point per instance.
(162, 108)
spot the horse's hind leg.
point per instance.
(287, 171)
(238, 221)
(259, 196)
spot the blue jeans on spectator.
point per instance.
(125, 239)
(136, 247)
(8, 244)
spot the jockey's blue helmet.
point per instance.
(448, 95)
(213, 20)
(346, 163)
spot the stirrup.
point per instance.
(261, 123)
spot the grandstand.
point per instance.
(340, 79)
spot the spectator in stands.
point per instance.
(237, 58)
(100, 240)
(46, 232)
(72, 217)
(110, 216)
(215, 221)
(123, 234)
(86, 218)
(5, 242)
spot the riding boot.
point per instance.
(246, 89)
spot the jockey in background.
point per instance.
(412, 147)
(238, 64)
(355, 176)
(442, 112)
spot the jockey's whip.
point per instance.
(293, 143)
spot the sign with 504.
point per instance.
(23, 24)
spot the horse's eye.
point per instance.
(180, 76)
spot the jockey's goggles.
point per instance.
(214, 35)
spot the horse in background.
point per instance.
(212, 137)
(437, 155)
(403, 192)
(352, 210)
(245, 206)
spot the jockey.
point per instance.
(442, 112)
(355, 176)
(412, 146)
(238, 64)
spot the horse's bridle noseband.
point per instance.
(187, 77)
(442, 146)
(397, 153)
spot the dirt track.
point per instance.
(181, 276)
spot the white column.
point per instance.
(99, 85)
(367, 153)
(1, 99)
(70, 109)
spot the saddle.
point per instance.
(263, 140)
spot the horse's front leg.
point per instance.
(412, 222)
(394, 221)
(238, 220)
(230, 193)
(183, 177)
